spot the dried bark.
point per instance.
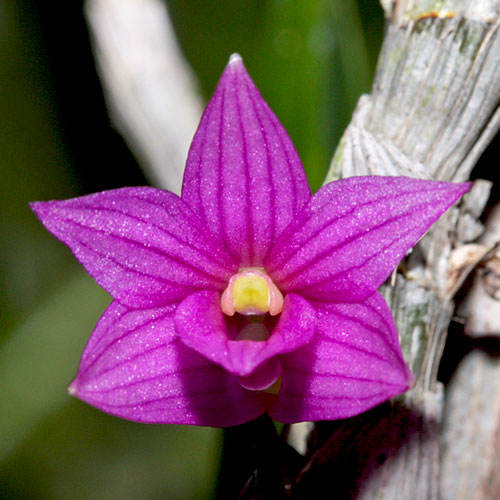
(470, 437)
(433, 110)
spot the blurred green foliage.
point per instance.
(311, 60)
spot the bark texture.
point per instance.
(433, 110)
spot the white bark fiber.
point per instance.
(150, 91)
(434, 108)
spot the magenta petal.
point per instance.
(202, 327)
(353, 233)
(143, 245)
(353, 363)
(243, 176)
(135, 367)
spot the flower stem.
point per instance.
(256, 463)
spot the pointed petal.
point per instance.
(353, 363)
(243, 176)
(201, 326)
(134, 367)
(353, 233)
(143, 245)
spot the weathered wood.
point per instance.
(471, 429)
(433, 109)
(150, 91)
(482, 306)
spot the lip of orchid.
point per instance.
(164, 351)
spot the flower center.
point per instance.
(251, 291)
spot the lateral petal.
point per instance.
(143, 245)
(202, 327)
(134, 367)
(353, 233)
(353, 363)
(243, 176)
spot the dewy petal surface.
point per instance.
(353, 363)
(353, 233)
(164, 353)
(200, 324)
(135, 367)
(143, 245)
(243, 176)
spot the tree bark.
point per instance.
(433, 110)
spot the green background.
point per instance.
(311, 60)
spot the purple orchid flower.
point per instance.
(247, 294)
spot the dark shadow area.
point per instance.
(458, 345)
(487, 163)
(487, 168)
(101, 160)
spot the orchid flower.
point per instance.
(246, 294)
